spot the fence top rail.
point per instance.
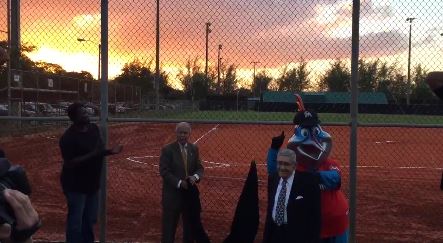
(201, 121)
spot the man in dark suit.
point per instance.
(293, 213)
(181, 169)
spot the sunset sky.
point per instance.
(276, 33)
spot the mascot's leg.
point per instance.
(343, 238)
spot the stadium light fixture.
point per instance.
(99, 53)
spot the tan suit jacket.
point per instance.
(172, 170)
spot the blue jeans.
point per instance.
(82, 215)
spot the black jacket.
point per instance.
(303, 211)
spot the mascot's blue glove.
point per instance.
(277, 141)
(329, 180)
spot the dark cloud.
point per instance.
(274, 32)
(383, 44)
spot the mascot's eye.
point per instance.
(304, 132)
(316, 131)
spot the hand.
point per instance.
(184, 185)
(192, 180)
(25, 214)
(278, 141)
(116, 149)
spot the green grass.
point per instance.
(285, 116)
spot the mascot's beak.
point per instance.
(312, 150)
(317, 144)
(310, 147)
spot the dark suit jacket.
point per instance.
(172, 170)
(304, 214)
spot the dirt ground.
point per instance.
(398, 195)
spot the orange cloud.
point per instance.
(276, 33)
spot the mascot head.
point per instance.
(310, 142)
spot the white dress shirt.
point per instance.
(288, 191)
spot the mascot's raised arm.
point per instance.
(312, 146)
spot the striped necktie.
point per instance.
(185, 158)
(280, 210)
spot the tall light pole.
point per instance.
(157, 57)
(408, 95)
(99, 59)
(99, 53)
(259, 85)
(253, 76)
(218, 68)
(208, 30)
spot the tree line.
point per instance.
(374, 76)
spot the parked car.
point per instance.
(160, 107)
(3, 109)
(92, 109)
(41, 108)
(61, 107)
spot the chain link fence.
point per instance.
(231, 69)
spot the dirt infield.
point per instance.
(399, 172)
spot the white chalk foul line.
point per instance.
(213, 163)
(399, 167)
(134, 159)
(217, 164)
(211, 130)
(387, 141)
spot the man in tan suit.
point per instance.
(181, 169)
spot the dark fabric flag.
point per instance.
(246, 219)
(193, 208)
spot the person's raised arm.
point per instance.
(271, 159)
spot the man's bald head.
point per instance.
(183, 125)
(183, 131)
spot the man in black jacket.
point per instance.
(83, 150)
(293, 212)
